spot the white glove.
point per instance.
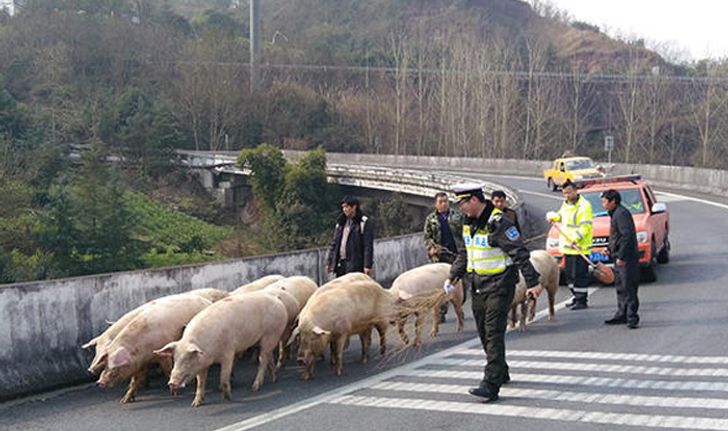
(552, 216)
(449, 287)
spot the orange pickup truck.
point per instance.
(651, 220)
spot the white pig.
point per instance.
(548, 269)
(217, 334)
(419, 282)
(258, 284)
(333, 315)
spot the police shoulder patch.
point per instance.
(512, 233)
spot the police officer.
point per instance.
(488, 263)
(623, 249)
(575, 216)
(440, 240)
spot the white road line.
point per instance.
(642, 357)
(571, 396)
(689, 198)
(604, 368)
(558, 379)
(627, 419)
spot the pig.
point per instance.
(548, 269)
(425, 281)
(212, 295)
(217, 334)
(331, 316)
(258, 284)
(292, 310)
(102, 341)
(299, 286)
(132, 350)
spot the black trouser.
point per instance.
(627, 284)
(490, 310)
(577, 277)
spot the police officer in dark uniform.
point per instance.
(489, 264)
(623, 250)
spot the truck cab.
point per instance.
(570, 168)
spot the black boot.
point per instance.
(485, 391)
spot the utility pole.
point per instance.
(254, 44)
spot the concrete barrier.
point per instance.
(43, 324)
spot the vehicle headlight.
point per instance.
(642, 237)
(552, 243)
(578, 177)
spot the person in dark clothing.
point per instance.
(488, 264)
(499, 199)
(352, 248)
(623, 250)
(441, 234)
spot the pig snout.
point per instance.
(101, 384)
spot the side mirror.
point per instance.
(659, 207)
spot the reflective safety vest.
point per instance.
(576, 223)
(482, 258)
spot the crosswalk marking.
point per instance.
(668, 391)
(673, 385)
(570, 415)
(642, 357)
(605, 368)
(554, 395)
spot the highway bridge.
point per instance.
(573, 372)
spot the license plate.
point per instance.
(596, 256)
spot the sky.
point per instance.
(697, 27)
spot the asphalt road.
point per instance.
(573, 372)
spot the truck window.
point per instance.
(561, 167)
(650, 198)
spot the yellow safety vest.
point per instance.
(482, 258)
(576, 223)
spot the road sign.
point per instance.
(609, 146)
(608, 143)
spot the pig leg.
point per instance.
(226, 370)
(531, 306)
(341, 341)
(435, 321)
(166, 363)
(267, 344)
(457, 305)
(513, 315)
(332, 347)
(552, 299)
(282, 351)
(366, 341)
(419, 323)
(382, 330)
(522, 317)
(200, 391)
(131, 392)
(400, 327)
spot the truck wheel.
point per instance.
(664, 255)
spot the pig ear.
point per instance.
(167, 350)
(120, 357)
(91, 343)
(320, 331)
(194, 348)
(293, 336)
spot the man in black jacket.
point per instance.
(352, 248)
(624, 252)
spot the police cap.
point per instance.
(465, 191)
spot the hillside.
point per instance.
(354, 31)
